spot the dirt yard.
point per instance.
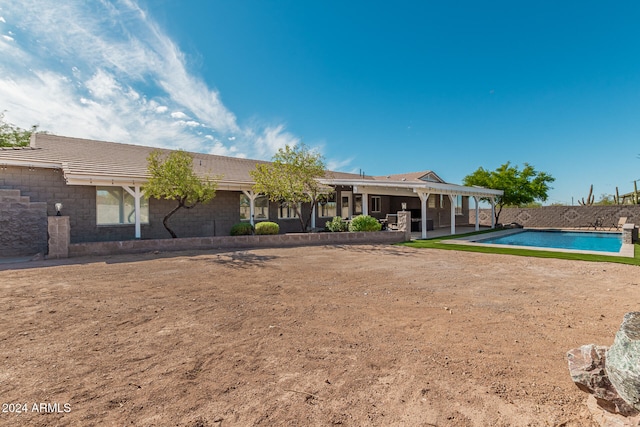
(318, 336)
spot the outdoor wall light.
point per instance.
(58, 209)
(404, 206)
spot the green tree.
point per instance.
(606, 199)
(292, 179)
(13, 136)
(172, 178)
(521, 187)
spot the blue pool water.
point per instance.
(586, 241)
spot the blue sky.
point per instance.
(375, 86)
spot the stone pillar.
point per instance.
(629, 234)
(59, 237)
(404, 224)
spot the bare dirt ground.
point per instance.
(317, 336)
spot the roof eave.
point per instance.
(107, 181)
(435, 187)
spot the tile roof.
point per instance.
(411, 177)
(87, 156)
(90, 162)
(91, 158)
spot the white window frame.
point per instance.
(431, 203)
(330, 205)
(287, 212)
(125, 208)
(357, 204)
(261, 212)
(376, 204)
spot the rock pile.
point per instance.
(612, 375)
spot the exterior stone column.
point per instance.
(629, 234)
(404, 224)
(59, 237)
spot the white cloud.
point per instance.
(338, 164)
(102, 84)
(189, 123)
(179, 115)
(271, 139)
(106, 70)
(2, 19)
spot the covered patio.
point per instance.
(421, 189)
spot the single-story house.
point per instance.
(99, 186)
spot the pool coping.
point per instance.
(627, 250)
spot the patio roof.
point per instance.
(412, 188)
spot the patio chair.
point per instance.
(392, 221)
(621, 221)
(598, 223)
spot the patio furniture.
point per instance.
(621, 221)
(598, 223)
(392, 221)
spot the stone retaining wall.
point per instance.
(23, 225)
(224, 242)
(562, 216)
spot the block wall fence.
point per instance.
(562, 216)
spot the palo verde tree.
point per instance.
(520, 187)
(172, 178)
(13, 136)
(292, 179)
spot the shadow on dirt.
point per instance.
(238, 259)
(381, 249)
(231, 257)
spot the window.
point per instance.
(261, 208)
(287, 212)
(458, 205)
(114, 205)
(431, 202)
(328, 206)
(357, 204)
(376, 202)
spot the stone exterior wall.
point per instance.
(233, 242)
(213, 219)
(562, 216)
(23, 225)
(79, 204)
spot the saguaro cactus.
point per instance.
(590, 198)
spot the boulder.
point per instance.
(623, 360)
(587, 368)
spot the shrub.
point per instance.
(267, 227)
(336, 224)
(241, 229)
(364, 223)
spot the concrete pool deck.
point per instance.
(627, 250)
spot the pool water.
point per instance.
(576, 240)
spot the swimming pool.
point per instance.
(576, 240)
(585, 242)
